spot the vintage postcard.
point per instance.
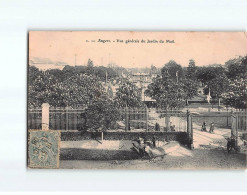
(137, 100)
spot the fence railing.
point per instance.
(140, 119)
(133, 118)
(242, 120)
(222, 119)
(62, 118)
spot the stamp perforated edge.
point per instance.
(58, 155)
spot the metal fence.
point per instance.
(61, 118)
(139, 119)
(242, 120)
(221, 119)
(134, 118)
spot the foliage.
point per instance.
(102, 71)
(237, 67)
(170, 92)
(128, 95)
(217, 85)
(190, 87)
(208, 73)
(167, 93)
(172, 69)
(236, 94)
(101, 114)
(76, 90)
(41, 88)
(80, 90)
(33, 73)
(191, 70)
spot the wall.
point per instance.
(168, 136)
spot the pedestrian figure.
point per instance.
(204, 126)
(154, 143)
(211, 128)
(157, 127)
(229, 145)
(172, 127)
(140, 148)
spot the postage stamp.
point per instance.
(44, 148)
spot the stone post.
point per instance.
(45, 116)
(167, 121)
(102, 136)
(190, 130)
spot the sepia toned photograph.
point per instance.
(137, 100)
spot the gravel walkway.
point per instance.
(209, 153)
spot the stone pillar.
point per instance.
(102, 136)
(45, 116)
(190, 130)
(233, 125)
(167, 122)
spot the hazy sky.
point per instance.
(204, 47)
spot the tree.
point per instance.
(76, 90)
(236, 94)
(190, 88)
(128, 95)
(173, 70)
(153, 69)
(236, 67)
(58, 74)
(207, 73)
(102, 71)
(101, 114)
(41, 89)
(90, 67)
(217, 85)
(33, 73)
(191, 70)
(167, 93)
(80, 90)
(90, 63)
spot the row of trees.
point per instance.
(176, 84)
(83, 86)
(174, 87)
(235, 94)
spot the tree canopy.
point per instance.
(172, 89)
(210, 72)
(235, 94)
(128, 95)
(167, 93)
(236, 67)
(173, 70)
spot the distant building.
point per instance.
(142, 80)
(45, 63)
